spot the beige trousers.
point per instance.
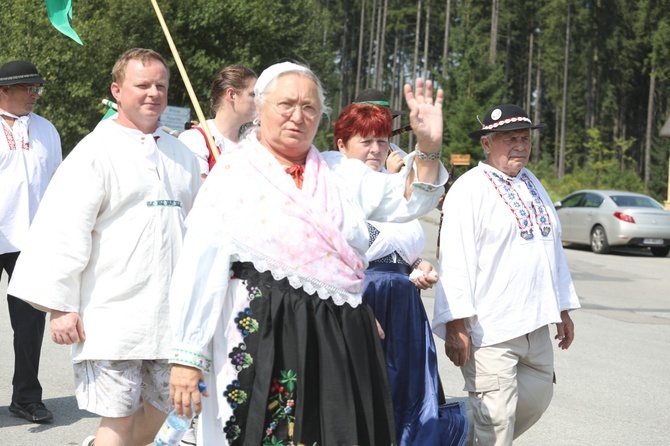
(510, 386)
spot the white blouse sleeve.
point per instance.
(200, 281)
(49, 270)
(381, 196)
(457, 266)
(197, 296)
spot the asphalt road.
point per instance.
(613, 386)
(612, 383)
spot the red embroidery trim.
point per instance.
(10, 138)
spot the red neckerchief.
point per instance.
(296, 171)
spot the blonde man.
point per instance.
(104, 244)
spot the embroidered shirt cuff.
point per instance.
(442, 177)
(189, 358)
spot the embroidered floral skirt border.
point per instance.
(308, 371)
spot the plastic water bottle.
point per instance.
(175, 426)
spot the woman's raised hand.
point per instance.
(425, 114)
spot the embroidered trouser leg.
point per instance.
(510, 386)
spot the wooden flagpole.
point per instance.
(187, 82)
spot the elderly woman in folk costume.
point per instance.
(266, 301)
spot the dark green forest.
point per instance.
(596, 72)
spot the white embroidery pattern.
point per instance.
(506, 121)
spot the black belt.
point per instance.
(390, 267)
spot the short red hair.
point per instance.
(365, 120)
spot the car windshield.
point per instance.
(638, 201)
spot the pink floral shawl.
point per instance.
(250, 205)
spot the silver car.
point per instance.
(605, 218)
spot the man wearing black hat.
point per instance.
(30, 152)
(503, 280)
(374, 96)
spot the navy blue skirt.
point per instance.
(421, 415)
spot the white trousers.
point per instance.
(510, 386)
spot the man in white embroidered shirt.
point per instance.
(30, 153)
(101, 251)
(503, 280)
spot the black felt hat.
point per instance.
(504, 118)
(20, 72)
(374, 96)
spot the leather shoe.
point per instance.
(35, 412)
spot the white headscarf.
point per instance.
(273, 72)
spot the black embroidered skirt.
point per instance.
(309, 371)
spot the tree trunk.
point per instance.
(402, 63)
(344, 75)
(394, 82)
(379, 69)
(537, 116)
(564, 107)
(377, 39)
(592, 98)
(615, 132)
(508, 55)
(589, 89)
(557, 139)
(647, 142)
(589, 79)
(394, 72)
(425, 43)
(445, 47)
(623, 135)
(417, 36)
(361, 35)
(325, 28)
(371, 46)
(596, 88)
(495, 13)
(529, 74)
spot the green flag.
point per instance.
(60, 14)
(111, 110)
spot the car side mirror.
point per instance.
(558, 205)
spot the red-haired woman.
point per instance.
(392, 283)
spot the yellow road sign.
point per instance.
(460, 159)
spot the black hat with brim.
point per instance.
(20, 72)
(374, 96)
(505, 118)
